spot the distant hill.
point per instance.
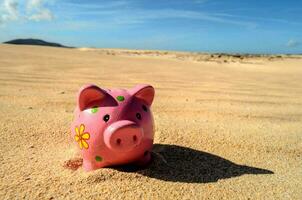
(35, 42)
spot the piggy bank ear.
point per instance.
(144, 93)
(91, 95)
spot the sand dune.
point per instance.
(224, 129)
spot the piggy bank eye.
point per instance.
(106, 118)
(144, 108)
(138, 116)
(92, 110)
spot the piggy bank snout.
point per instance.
(123, 136)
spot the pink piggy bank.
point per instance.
(114, 127)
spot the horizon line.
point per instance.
(142, 49)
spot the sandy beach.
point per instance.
(226, 126)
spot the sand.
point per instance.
(227, 127)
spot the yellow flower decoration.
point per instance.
(81, 136)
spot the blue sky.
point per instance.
(232, 26)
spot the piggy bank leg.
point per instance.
(88, 165)
(92, 165)
(144, 160)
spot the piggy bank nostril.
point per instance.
(134, 138)
(118, 141)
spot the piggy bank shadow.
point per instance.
(181, 164)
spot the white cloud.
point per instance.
(9, 10)
(125, 16)
(292, 43)
(42, 14)
(13, 10)
(33, 4)
(37, 11)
